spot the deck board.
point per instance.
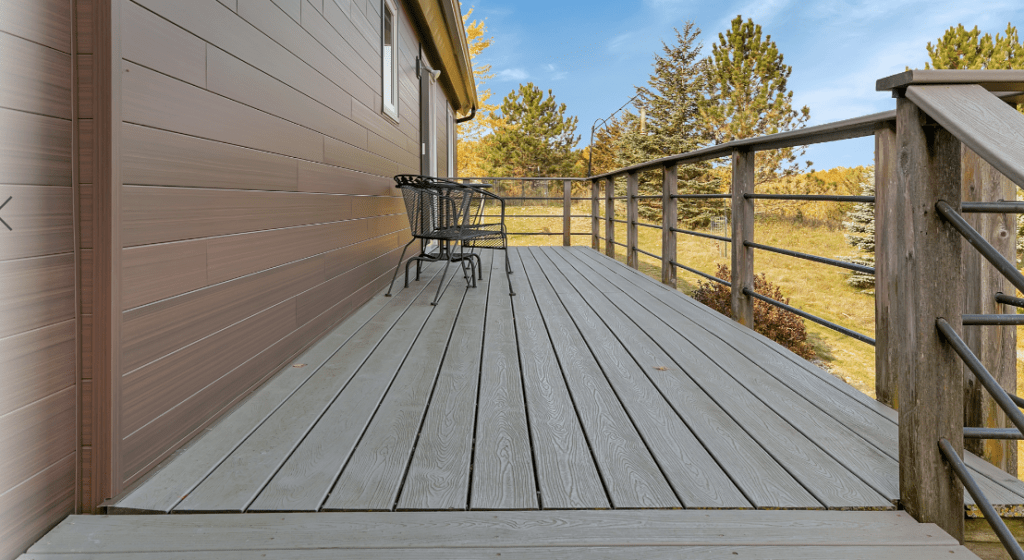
(236, 482)
(593, 388)
(376, 469)
(567, 477)
(503, 475)
(696, 476)
(438, 477)
(631, 475)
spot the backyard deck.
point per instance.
(593, 388)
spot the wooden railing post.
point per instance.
(886, 193)
(927, 283)
(609, 215)
(742, 230)
(632, 217)
(669, 220)
(995, 346)
(566, 213)
(595, 215)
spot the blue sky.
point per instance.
(592, 52)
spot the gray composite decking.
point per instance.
(594, 387)
(510, 535)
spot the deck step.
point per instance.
(579, 534)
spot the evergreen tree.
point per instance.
(666, 123)
(605, 148)
(962, 49)
(746, 95)
(860, 234)
(534, 137)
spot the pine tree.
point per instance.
(666, 123)
(534, 137)
(605, 147)
(860, 228)
(747, 95)
(960, 49)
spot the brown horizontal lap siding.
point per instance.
(257, 205)
(38, 389)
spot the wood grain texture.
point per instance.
(743, 169)
(177, 478)
(485, 529)
(41, 221)
(157, 272)
(150, 391)
(631, 475)
(566, 475)
(439, 471)
(47, 22)
(376, 470)
(37, 292)
(980, 120)
(886, 201)
(753, 469)
(694, 474)
(232, 78)
(37, 79)
(827, 479)
(34, 150)
(37, 364)
(158, 101)
(503, 473)
(86, 89)
(36, 436)
(928, 285)
(156, 330)
(274, 450)
(995, 346)
(151, 41)
(832, 395)
(161, 158)
(35, 506)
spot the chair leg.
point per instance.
(437, 297)
(508, 274)
(402, 256)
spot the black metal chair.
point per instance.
(451, 214)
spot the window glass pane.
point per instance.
(389, 56)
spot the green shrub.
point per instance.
(777, 324)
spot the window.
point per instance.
(389, 68)
(451, 142)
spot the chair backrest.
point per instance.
(436, 209)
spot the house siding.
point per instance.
(37, 272)
(258, 208)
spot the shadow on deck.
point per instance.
(594, 388)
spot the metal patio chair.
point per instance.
(451, 214)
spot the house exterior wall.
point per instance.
(37, 272)
(258, 208)
(201, 189)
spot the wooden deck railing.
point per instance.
(952, 145)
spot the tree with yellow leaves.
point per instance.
(471, 133)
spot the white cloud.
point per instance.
(512, 75)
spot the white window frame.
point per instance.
(432, 124)
(451, 142)
(389, 106)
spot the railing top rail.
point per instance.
(841, 130)
(980, 120)
(992, 80)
